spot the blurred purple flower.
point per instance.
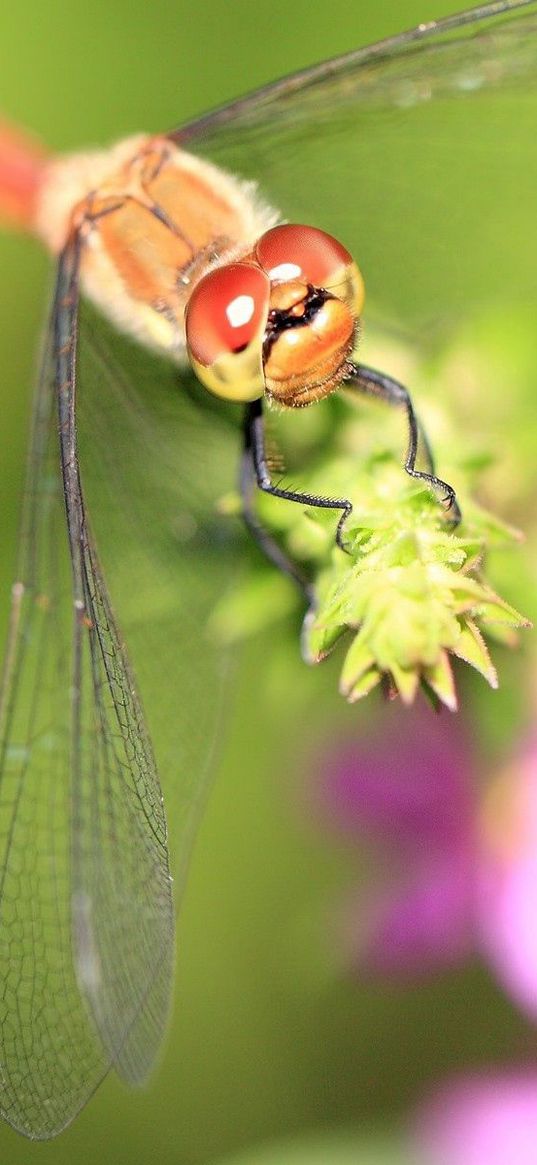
(507, 889)
(459, 862)
(480, 1120)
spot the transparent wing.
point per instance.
(121, 901)
(86, 914)
(51, 1057)
(414, 153)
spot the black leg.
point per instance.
(255, 471)
(374, 383)
(265, 541)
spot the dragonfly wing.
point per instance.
(154, 465)
(86, 915)
(51, 1058)
(370, 75)
(413, 152)
(122, 912)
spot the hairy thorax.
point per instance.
(152, 220)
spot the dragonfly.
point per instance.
(89, 864)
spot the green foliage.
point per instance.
(410, 589)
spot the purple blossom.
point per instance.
(480, 1120)
(507, 889)
(455, 855)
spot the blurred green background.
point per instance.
(269, 1037)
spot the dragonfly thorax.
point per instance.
(152, 220)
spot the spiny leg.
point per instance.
(255, 471)
(377, 384)
(270, 547)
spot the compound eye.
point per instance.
(225, 322)
(291, 251)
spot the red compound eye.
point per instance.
(225, 323)
(296, 252)
(291, 252)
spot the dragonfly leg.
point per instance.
(367, 380)
(255, 471)
(270, 547)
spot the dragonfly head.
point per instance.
(282, 322)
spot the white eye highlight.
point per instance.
(240, 311)
(285, 271)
